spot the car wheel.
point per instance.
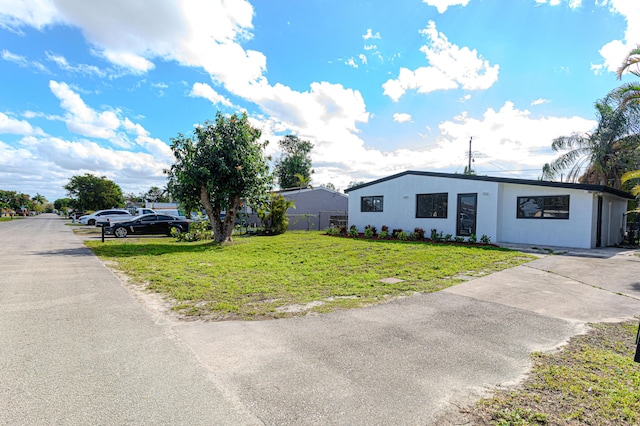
(174, 230)
(120, 232)
(91, 222)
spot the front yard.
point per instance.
(294, 273)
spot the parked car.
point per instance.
(103, 215)
(158, 224)
(76, 215)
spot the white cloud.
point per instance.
(203, 90)
(573, 4)
(351, 62)
(9, 125)
(401, 117)
(450, 67)
(615, 51)
(539, 101)
(370, 35)
(80, 118)
(443, 5)
(63, 64)
(35, 13)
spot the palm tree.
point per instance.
(604, 154)
(630, 92)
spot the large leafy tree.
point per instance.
(221, 167)
(630, 92)
(293, 169)
(91, 192)
(603, 155)
(15, 200)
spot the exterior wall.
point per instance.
(399, 204)
(314, 207)
(576, 231)
(496, 211)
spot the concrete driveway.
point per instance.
(68, 325)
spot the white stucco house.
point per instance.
(506, 210)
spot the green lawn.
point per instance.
(294, 273)
(9, 218)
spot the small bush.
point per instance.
(198, 231)
(368, 233)
(353, 231)
(458, 239)
(485, 239)
(373, 229)
(343, 231)
(384, 228)
(395, 232)
(411, 236)
(448, 237)
(383, 234)
(434, 234)
(333, 231)
(402, 236)
(472, 238)
(419, 233)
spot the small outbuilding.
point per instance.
(316, 208)
(506, 210)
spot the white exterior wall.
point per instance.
(573, 232)
(496, 211)
(399, 204)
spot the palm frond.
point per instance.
(632, 58)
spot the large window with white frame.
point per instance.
(543, 207)
(432, 205)
(371, 203)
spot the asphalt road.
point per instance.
(76, 347)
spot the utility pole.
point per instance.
(469, 168)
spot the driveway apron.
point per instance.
(76, 347)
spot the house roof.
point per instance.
(579, 186)
(288, 191)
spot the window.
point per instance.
(544, 207)
(432, 205)
(371, 204)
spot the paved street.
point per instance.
(77, 348)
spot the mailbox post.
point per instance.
(637, 357)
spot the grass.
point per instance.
(294, 273)
(8, 218)
(591, 381)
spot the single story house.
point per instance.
(316, 208)
(504, 209)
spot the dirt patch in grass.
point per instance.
(593, 380)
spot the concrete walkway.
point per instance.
(77, 348)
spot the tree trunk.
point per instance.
(213, 213)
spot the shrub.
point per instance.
(333, 231)
(373, 229)
(343, 231)
(448, 237)
(368, 233)
(411, 236)
(458, 239)
(198, 231)
(402, 236)
(434, 234)
(353, 231)
(419, 233)
(485, 239)
(395, 232)
(472, 238)
(384, 228)
(384, 234)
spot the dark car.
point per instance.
(148, 224)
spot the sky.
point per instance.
(378, 86)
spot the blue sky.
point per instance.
(378, 87)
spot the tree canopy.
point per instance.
(218, 169)
(603, 155)
(293, 169)
(91, 192)
(630, 92)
